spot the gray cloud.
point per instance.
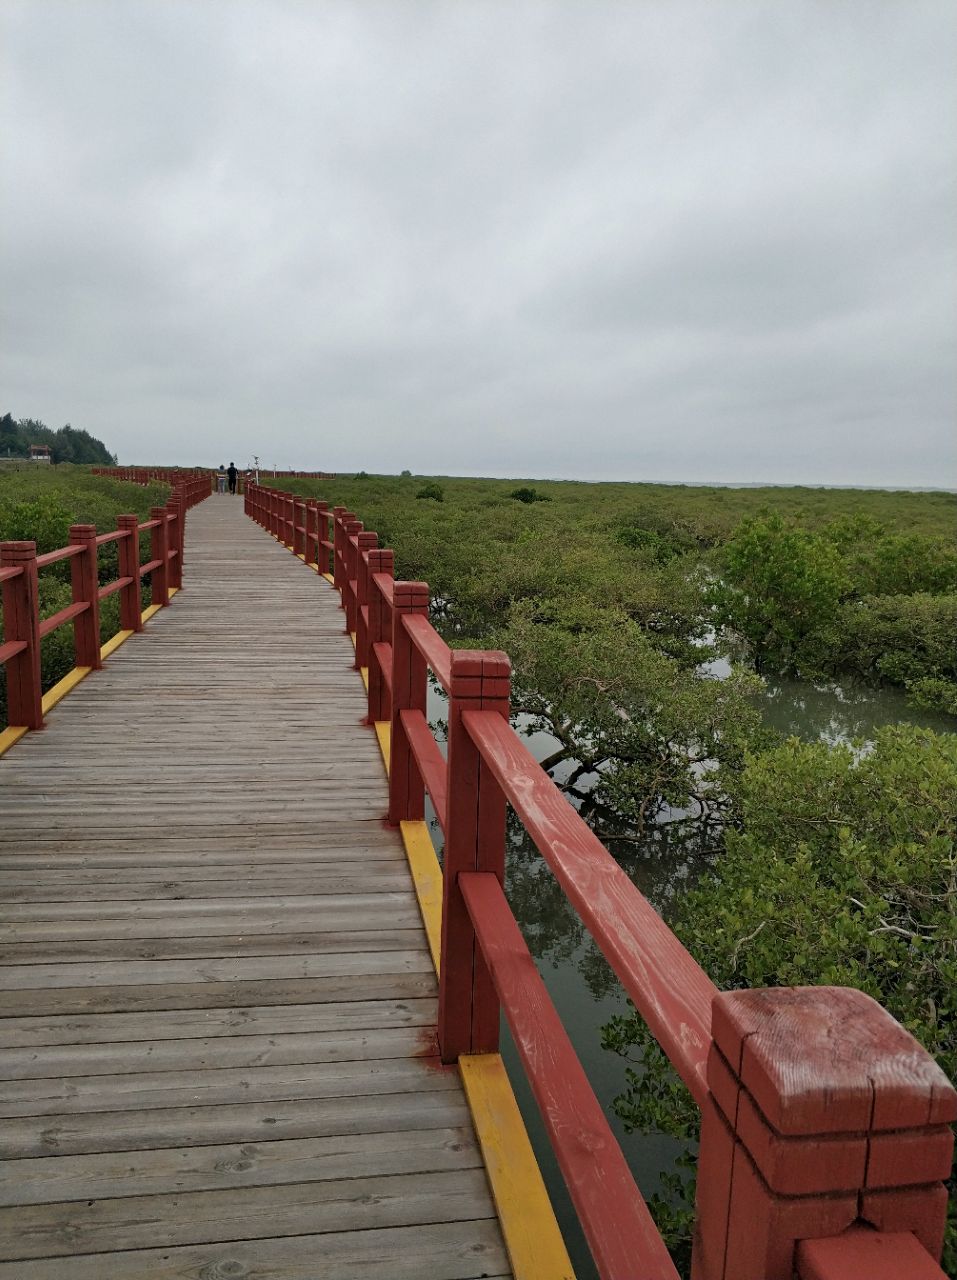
(641, 240)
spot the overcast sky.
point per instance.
(603, 240)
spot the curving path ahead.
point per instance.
(217, 1051)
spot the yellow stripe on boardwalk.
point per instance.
(114, 643)
(383, 731)
(63, 687)
(427, 878)
(10, 737)
(534, 1243)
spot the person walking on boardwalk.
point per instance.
(221, 479)
(232, 473)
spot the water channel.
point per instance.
(582, 986)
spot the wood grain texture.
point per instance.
(217, 1026)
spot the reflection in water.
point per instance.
(838, 713)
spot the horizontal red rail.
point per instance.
(7, 575)
(384, 582)
(65, 615)
(149, 524)
(149, 567)
(670, 990)
(430, 761)
(111, 588)
(11, 649)
(52, 557)
(115, 536)
(621, 1234)
(431, 646)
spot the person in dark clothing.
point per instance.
(232, 474)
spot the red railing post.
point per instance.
(311, 523)
(298, 538)
(177, 509)
(159, 550)
(474, 841)
(380, 561)
(21, 621)
(406, 789)
(289, 521)
(367, 542)
(322, 535)
(342, 515)
(351, 529)
(824, 1113)
(131, 615)
(85, 582)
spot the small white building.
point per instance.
(40, 453)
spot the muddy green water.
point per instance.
(583, 988)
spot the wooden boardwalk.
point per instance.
(217, 1053)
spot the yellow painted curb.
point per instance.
(63, 687)
(329, 578)
(427, 878)
(364, 672)
(11, 736)
(383, 731)
(535, 1246)
(114, 643)
(148, 613)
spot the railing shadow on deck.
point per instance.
(23, 628)
(825, 1138)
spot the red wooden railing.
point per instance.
(175, 477)
(825, 1138)
(23, 629)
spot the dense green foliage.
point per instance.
(67, 444)
(850, 597)
(843, 872)
(39, 504)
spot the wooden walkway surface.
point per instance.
(217, 1053)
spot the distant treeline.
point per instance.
(67, 444)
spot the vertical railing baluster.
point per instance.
(474, 841)
(409, 685)
(159, 545)
(131, 614)
(21, 621)
(85, 584)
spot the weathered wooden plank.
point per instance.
(384, 939)
(332, 917)
(202, 1053)
(238, 969)
(247, 1164)
(184, 995)
(178, 1024)
(246, 1213)
(69, 1133)
(307, 882)
(442, 1251)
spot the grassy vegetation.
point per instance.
(39, 505)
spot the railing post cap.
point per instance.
(81, 532)
(410, 595)
(488, 663)
(829, 1060)
(24, 550)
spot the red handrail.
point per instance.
(819, 1112)
(19, 567)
